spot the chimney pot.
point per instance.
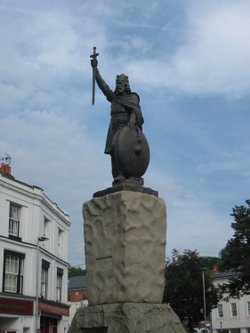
(5, 169)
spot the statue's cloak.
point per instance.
(130, 102)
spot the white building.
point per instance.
(232, 316)
(33, 259)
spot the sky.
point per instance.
(189, 63)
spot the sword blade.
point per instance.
(93, 56)
(93, 86)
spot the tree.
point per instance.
(209, 262)
(76, 271)
(236, 255)
(184, 287)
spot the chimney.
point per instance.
(215, 269)
(5, 167)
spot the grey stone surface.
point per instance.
(126, 318)
(125, 236)
(128, 185)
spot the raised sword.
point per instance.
(93, 56)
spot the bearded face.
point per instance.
(120, 87)
(122, 84)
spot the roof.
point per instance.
(9, 176)
(38, 190)
(77, 282)
(224, 275)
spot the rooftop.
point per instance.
(222, 275)
(77, 282)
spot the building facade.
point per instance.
(33, 259)
(231, 315)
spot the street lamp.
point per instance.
(204, 294)
(39, 239)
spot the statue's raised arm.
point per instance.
(101, 83)
(125, 142)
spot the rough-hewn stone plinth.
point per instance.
(125, 236)
(126, 318)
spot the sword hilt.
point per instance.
(94, 55)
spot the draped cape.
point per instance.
(131, 102)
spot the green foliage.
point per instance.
(76, 271)
(236, 255)
(184, 287)
(209, 262)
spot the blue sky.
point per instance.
(188, 61)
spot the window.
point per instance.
(233, 309)
(48, 324)
(220, 310)
(248, 308)
(60, 242)
(13, 272)
(14, 219)
(46, 227)
(44, 278)
(59, 284)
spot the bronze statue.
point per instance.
(125, 141)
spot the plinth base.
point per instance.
(126, 318)
(125, 237)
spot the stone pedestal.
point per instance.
(125, 236)
(126, 318)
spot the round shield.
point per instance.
(132, 151)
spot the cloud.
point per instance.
(56, 41)
(10, 95)
(193, 221)
(192, 224)
(51, 141)
(169, 51)
(53, 152)
(213, 58)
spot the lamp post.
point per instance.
(204, 296)
(39, 239)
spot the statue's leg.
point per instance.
(116, 172)
(114, 164)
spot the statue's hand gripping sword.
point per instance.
(93, 57)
